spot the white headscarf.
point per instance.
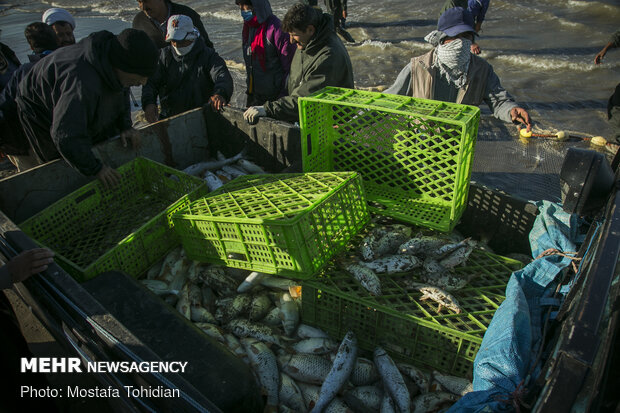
(452, 58)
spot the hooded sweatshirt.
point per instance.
(323, 62)
(267, 70)
(72, 100)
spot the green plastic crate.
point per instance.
(286, 224)
(415, 155)
(409, 329)
(127, 228)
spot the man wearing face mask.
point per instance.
(451, 73)
(78, 96)
(189, 74)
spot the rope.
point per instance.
(554, 251)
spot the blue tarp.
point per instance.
(507, 355)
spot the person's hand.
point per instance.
(475, 49)
(598, 59)
(217, 102)
(28, 263)
(252, 114)
(520, 115)
(344, 14)
(132, 135)
(109, 177)
(150, 113)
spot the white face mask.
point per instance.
(453, 59)
(182, 51)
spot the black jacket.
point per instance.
(142, 22)
(71, 100)
(187, 82)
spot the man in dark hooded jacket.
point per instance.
(320, 60)
(43, 41)
(189, 74)
(78, 96)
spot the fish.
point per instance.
(366, 277)
(233, 171)
(201, 315)
(453, 384)
(259, 307)
(183, 305)
(291, 395)
(235, 346)
(390, 264)
(194, 294)
(215, 277)
(447, 280)
(306, 331)
(369, 243)
(220, 156)
(392, 380)
(311, 393)
(158, 287)
(364, 372)
(307, 368)
(289, 313)
(364, 399)
(212, 331)
(389, 243)
(277, 282)
(208, 297)
(244, 328)
(457, 257)
(266, 367)
(421, 244)
(387, 404)
(447, 249)
(441, 297)
(250, 167)
(339, 372)
(318, 345)
(232, 307)
(432, 266)
(152, 273)
(212, 180)
(273, 318)
(432, 402)
(250, 281)
(199, 168)
(418, 376)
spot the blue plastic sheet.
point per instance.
(507, 355)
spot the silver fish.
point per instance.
(194, 293)
(431, 402)
(339, 373)
(259, 307)
(152, 273)
(453, 384)
(306, 331)
(183, 305)
(158, 287)
(311, 394)
(199, 168)
(290, 394)
(250, 167)
(212, 181)
(277, 282)
(446, 249)
(289, 313)
(266, 366)
(366, 277)
(220, 156)
(244, 328)
(233, 171)
(201, 315)
(441, 297)
(421, 244)
(315, 346)
(364, 372)
(369, 243)
(387, 404)
(418, 376)
(273, 318)
(308, 368)
(392, 380)
(389, 243)
(390, 264)
(251, 280)
(364, 399)
(208, 297)
(235, 346)
(169, 261)
(212, 331)
(457, 257)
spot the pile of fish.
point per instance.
(299, 367)
(217, 172)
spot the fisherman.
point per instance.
(338, 9)
(78, 96)
(266, 50)
(153, 19)
(189, 74)
(63, 24)
(449, 72)
(43, 41)
(320, 60)
(478, 10)
(8, 64)
(613, 105)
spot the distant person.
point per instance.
(320, 60)
(63, 24)
(266, 50)
(78, 96)
(8, 64)
(43, 41)
(613, 105)
(153, 19)
(477, 8)
(338, 9)
(189, 74)
(449, 72)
